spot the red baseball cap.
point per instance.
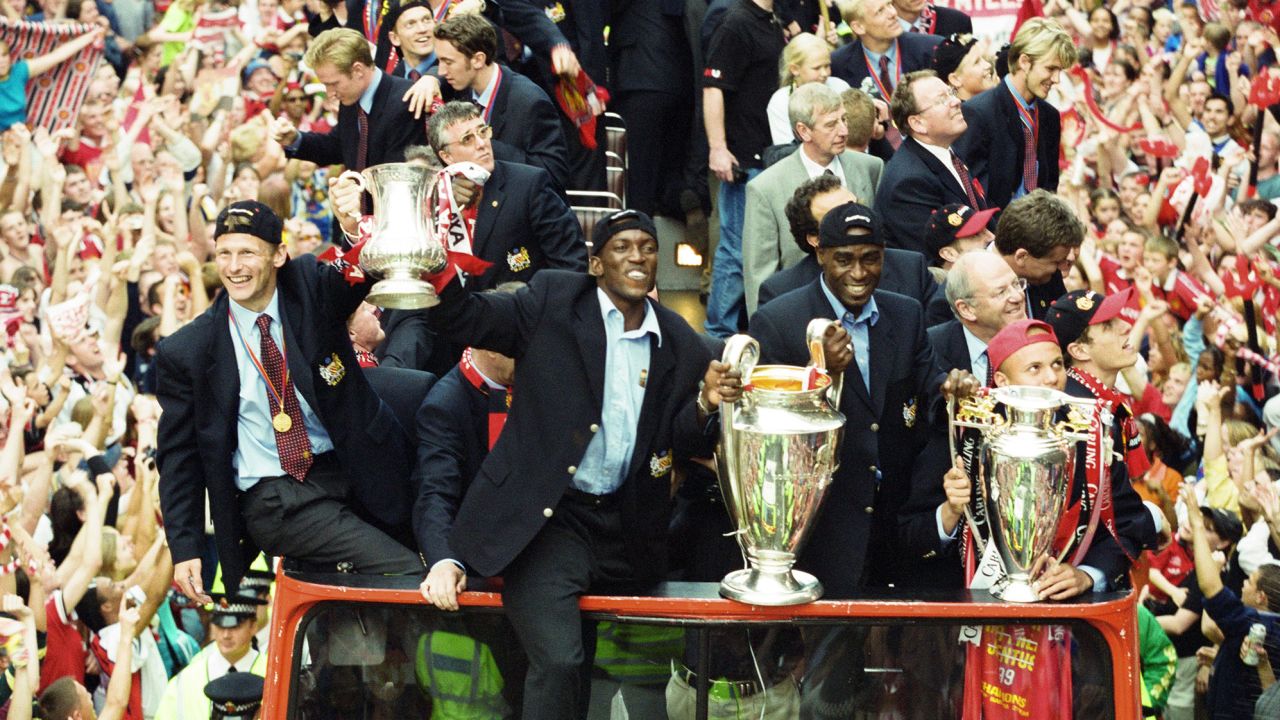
(1015, 336)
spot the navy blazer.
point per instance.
(993, 146)
(856, 529)
(392, 128)
(949, 347)
(924, 560)
(199, 390)
(526, 127)
(951, 21)
(915, 50)
(904, 272)
(913, 185)
(453, 440)
(522, 226)
(555, 331)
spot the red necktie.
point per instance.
(965, 180)
(1029, 179)
(891, 132)
(414, 75)
(362, 150)
(293, 443)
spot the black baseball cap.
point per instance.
(839, 220)
(251, 218)
(1070, 314)
(952, 222)
(620, 221)
(949, 53)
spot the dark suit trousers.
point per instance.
(656, 124)
(312, 522)
(579, 549)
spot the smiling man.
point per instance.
(574, 496)
(877, 340)
(1012, 143)
(266, 410)
(412, 34)
(925, 173)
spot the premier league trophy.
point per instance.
(1026, 465)
(403, 245)
(779, 446)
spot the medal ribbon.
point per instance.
(1032, 122)
(284, 356)
(874, 72)
(493, 96)
(497, 407)
(928, 20)
(444, 10)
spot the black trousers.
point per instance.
(657, 129)
(580, 549)
(312, 522)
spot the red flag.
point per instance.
(1265, 89)
(1158, 146)
(1202, 177)
(1030, 9)
(54, 98)
(582, 101)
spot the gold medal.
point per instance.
(281, 422)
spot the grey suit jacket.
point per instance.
(767, 246)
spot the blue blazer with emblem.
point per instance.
(554, 330)
(916, 53)
(199, 389)
(857, 527)
(523, 226)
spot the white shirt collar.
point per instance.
(813, 169)
(944, 156)
(218, 665)
(486, 97)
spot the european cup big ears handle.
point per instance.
(814, 333)
(741, 353)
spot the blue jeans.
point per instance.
(726, 302)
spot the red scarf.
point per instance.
(499, 405)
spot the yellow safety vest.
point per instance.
(638, 654)
(461, 677)
(184, 697)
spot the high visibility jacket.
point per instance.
(638, 654)
(461, 677)
(184, 697)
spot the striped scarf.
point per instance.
(54, 98)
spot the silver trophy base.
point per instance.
(754, 587)
(403, 294)
(1016, 591)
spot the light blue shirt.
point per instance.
(977, 354)
(874, 59)
(486, 97)
(626, 370)
(859, 329)
(256, 454)
(366, 99)
(1022, 188)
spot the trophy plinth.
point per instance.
(402, 291)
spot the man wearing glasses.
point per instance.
(518, 221)
(985, 296)
(925, 173)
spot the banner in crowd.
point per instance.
(54, 98)
(991, 18)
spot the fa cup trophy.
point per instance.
(779, 445)
(403, 245)
(1026, 462)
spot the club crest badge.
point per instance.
(332, 370)
(909, 413)
(518, 259)
(954, 219)
(660, 464)
(1084, 303)
(556, 12)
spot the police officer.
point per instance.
(231, 652)
(235, 696)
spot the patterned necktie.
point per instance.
(891, 132)
(1029, 179)
(991, 372)
(293, 444)
(362, 149)
(965, 180)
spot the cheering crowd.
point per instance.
(195, 378)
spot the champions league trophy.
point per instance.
(403, 245)
(1026, 465)
(779, 446)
